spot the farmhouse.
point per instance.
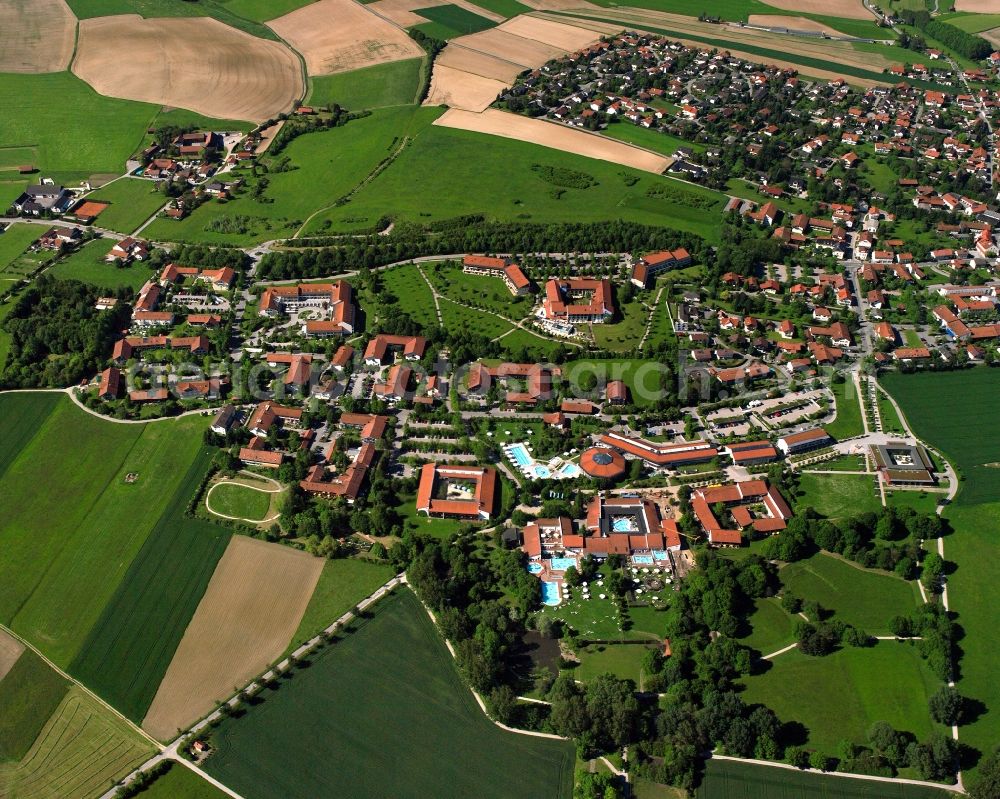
(578, 300)
(464, 492)
(382, 345)
(56, 237)
(750, 503)
(504, 268)
(128, 250)
(43, 198)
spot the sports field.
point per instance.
(88, 264)
(838, 495)
(29, 694)
(349, 709)
(128, 650)
(343, 583)
(379, 86)
(74, 552)
(725, 779)
(841, 695)
(862, 597)
(477, 173)
(132, 200)
(78, 754)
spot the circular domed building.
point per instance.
(602, 463)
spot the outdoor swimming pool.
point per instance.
(660, 554)
(569, 470)
(541, 472)
(561, 564)
(535, 568)
(623, 525)
(642, 559)
(519, 454)
(550, 593)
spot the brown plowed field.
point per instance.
(188, 62)
(10, 651)
(36, 35)
(251, 609)
(341, 35)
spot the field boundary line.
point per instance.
(132, 725)
(846, 774)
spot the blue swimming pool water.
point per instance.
(561, 564)
(660, 554)
(535, 568)
(520, 455)
(642, 559)
(542, 472)
(621, 525)
(570, 470)
(550, 593)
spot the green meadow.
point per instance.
(29, 694)
(448, 21)
(382, 85)
(241, 14)
(240, 501)
(181, 783)
(88, 265)
(769, 628)
(133, 201)
(838, 495)
(349, 709)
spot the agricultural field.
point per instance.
(76, 552)
(332, 713)
(972, 23)
(229, 12)
(837, 495)
(506, 8)
(13, 242)
(80, 751)
(263, 10)
(510, 189)
(449, 21)
(128, 650)
(133, 201)
(327, 165)
(181, 782)
(29, 694)
(36, 36)
(343, 583)
(88, 265)
(725, 779)
(253, 604)
(23, 414)
(863, 597)
(769, 628)
(379, 86)
(657, 141)
(839, 696)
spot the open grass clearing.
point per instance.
(481, 290)
(413, 296)
(342, 585)
(88, 265)
(522, 346)
(625, 334)
(81, 750)
(13, 242)
(622, 660)
(848, 420)
(332, 713)
(74, 552)
(252, 606)
(841, 695)
(858, 596)
(508, 188)
(460, 317)
(418, 522)
(29, 694)
(838, 495)
(130, 646)
(133, 201)
(769, 628)
(394, 83)
(642, 377)
(239, 501)
(649, 138)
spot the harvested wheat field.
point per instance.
(251, 609)
(792, 23)
(400, 12)
(849, 9)
(36, 35)
(472, 61)
(559, 5)
(992, 36)
(562, 35)
(975, 6)
(197, 63)
(556, 136)
(459, 89)
(10, 651)
(341, 35)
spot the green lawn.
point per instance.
(73, 525)
(848, 421)
(769, 628)
(890, 419)
(437, 528)
(349, 709)
(343, 583)
(240, 501)
(920, 501)
(29, 694)
(837, 495)
(413, 297)
(481, 290)
(727, 779)
(655, 140)
(841, 695)
(624, 335)
(88, 264)
(522, 345)
(461, 317)
(864, 598)
(957, 433)
(842, 463)
(130, 646)
(382, 85)
(80, 752)
(181, 783)
(507, 188)
(326, 166)
(622, 660)
(14, 241)
(642, 377)
(595, 619)
(449, 21)
(133, 201)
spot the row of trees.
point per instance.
(967, 44)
